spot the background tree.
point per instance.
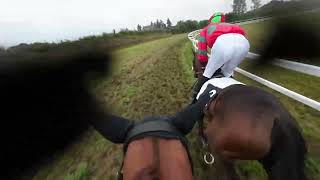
(157, 24)
(162, 25)
(186, 26)
(256, 4)
(139, 27)
(169, 24)
(203, 24)
(239, 6)
(2, 50)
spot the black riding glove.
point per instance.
(197, 87)
(113, 128)
(207, 93)
(186, 119)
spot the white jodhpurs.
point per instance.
(227, 53)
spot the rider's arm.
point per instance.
(113, 128)
(186, 119)
(202, 53)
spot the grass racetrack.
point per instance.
(155, 78)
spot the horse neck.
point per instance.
(156, 158)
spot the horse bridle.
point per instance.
(207, 157)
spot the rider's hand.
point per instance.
(199, 84)
(208, 93)
(197, 88)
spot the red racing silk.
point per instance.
(209, 35)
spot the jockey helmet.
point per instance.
(217, 17)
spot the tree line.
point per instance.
(239, 8)
(273, 8)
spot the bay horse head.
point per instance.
(247, 123)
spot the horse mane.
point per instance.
(286, 158)
(287, 155)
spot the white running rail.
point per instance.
(298, 97)
(292, 65)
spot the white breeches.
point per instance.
(227, 53)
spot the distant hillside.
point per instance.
(107, 41)
(276, 8)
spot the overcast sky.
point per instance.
(26, 21)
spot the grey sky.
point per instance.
(53, 20)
